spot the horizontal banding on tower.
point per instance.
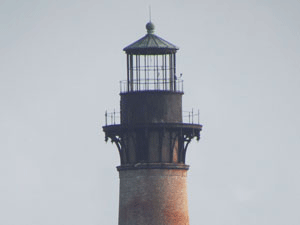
(138, 166)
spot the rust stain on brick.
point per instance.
(176, 217)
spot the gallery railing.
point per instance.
(151, 85)
(188, 117)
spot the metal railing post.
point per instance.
(114, 116)
(182, 85)
(192, 116)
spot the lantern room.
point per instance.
(151, 65)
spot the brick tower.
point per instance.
(152, 137)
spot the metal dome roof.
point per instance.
(150, 44)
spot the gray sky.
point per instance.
(60, 66)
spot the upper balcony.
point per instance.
(175, 85)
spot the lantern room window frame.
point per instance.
(152, 72)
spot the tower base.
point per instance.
(153, 196)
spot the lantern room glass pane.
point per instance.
(151, 72)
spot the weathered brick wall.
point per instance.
(153, 197)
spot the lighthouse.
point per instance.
(152, 135)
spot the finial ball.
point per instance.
(150, 28)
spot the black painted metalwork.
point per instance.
(151, 130)
(151, 64)
(178, 132)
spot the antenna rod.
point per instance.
(150, 13)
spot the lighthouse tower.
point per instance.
(152, 136)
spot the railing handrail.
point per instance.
(189, 117)
(175, 85)
(111, 118)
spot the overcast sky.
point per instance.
(60, 67)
